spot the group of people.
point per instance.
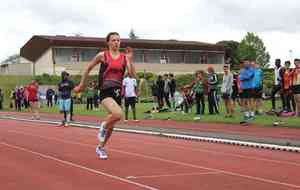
(114, 84)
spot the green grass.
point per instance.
(178, 116)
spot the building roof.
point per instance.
(38, 44)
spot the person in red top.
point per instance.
(32, 98)
(113, 64)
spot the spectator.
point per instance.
(286, 83)
(246, 78)
(130, 94)
(49, 96)
(226, 91)
(257, 88)
(212, 91)
(235, 90)
(1, 99)
(160, 89)
(296, 85)
(90, 95)
(198, 91)
(33, 99)
(277, 84)
(19, 97)
(172, 89)
(154, 91)
(65, 87)
(167, 90)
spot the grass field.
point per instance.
(264, 120)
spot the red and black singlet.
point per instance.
(111, 72)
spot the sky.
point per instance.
(276, 22)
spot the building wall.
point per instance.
(44, 64)
(17, 69)
(157, 68)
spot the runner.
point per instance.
(32, 97)
(112, 68)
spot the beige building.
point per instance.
(53, 54)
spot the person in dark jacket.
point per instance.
(212, 80)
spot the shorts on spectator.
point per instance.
(296, 89)
(258, 93)
(65, 105)
(247, 93)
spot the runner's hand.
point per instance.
(78, 88)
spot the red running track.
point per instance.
(42, 156)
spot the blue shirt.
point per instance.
(258, 78)
(247, 78)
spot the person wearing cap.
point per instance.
(65, 88)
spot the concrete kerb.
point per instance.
(174, 135)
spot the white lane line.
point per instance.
(79, 166)
(172, 161)
(214, 152)
(172, 175)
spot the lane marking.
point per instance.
(178, 136)
(214, 152)
(172, 161)
(172, 175)
(78, 166)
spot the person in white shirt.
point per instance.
(277, 84)
(130, 94)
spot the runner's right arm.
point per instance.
(98, 59)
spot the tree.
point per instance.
(231, 52)
(132, 34)
(252, 47)
(15, 58)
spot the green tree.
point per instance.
(15, 58)
(132, 34)
(231, 52)
(252, 47)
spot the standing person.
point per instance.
(32, 98)
(235, 89)
(19, 97)
(277, 85)
(172, 89)
(90, 95)
(226, 91)
(167, 90)
(296, 85)
(65, 88)
(160, 91)
(198, 91)
(246, 78)
(1, 99)
(212, 80)
(154, 91)
(257, 88)
(130, 94)
(113, 64)
(49, 96)
(286, 86)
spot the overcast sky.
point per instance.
(277, 22)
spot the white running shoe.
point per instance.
(101, 153)
(102, 132)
